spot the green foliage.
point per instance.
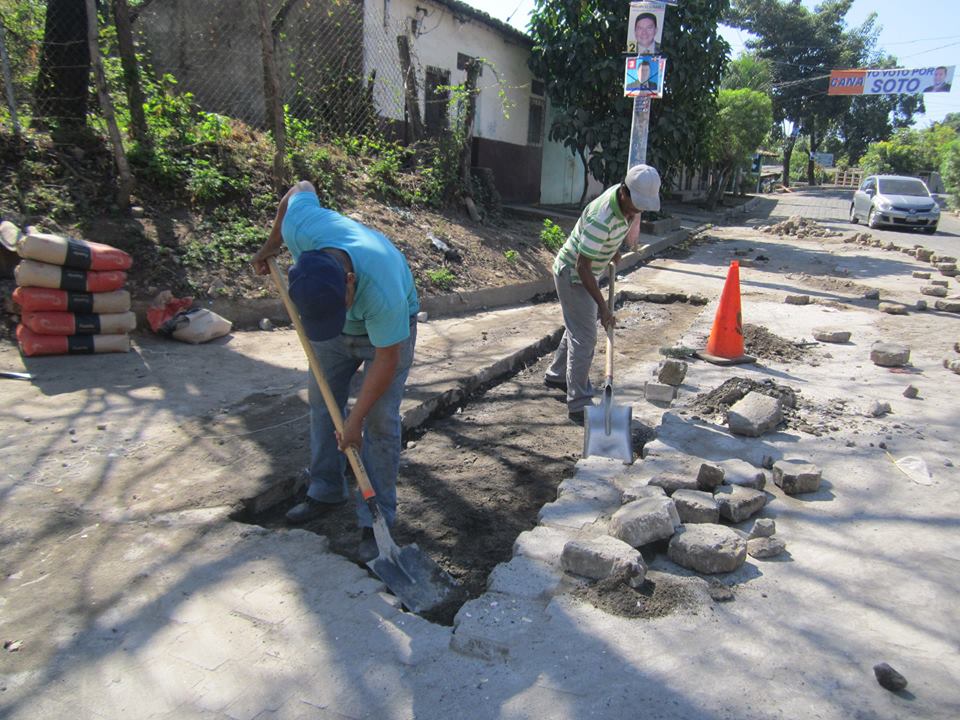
(578, 52)
(552, 235)
(748, 71)
(206, 183)
(511, 255)
(950, 171)
(742, 124)
(228, 242)
(909, 152)
(442, 278)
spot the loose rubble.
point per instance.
(800, 227)
(795, 477)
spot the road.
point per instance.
(832, 206)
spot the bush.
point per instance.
(552, 235)
(511, 255)
(442, 278)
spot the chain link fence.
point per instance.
(337, 61)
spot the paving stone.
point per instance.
(493, 625)
(796, 476)
(911, 392)
(590, 485)
(542, 543)
(921, 275)
(831, 335)
(600, 557)
(940, 283)
(672, 372)
(892, 308)
(644, 521)
(765, 547)
(524, 577)
(672, 481)
(920, 305)
(707, 548)
(948, 269)
(754, 415)
(740, 472)
(936, 258)
(797, 299)
(951, 364)
(889, 678)
(763, 527)
(572, 512)
(696, 506)
(872, 294)
(889, 354)
(709, 477)
(934, 291)
(738, 503)
(630, 494)
(659, 392)
(951, 306)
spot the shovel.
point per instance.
(607, 425)
(418, 582)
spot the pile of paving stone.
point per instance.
(800, 227)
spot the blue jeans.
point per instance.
(340, 358)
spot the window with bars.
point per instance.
(535, 120)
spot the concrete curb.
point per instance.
(247, 313)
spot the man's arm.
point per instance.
(274, 242)
(375, 383)
(585, 273)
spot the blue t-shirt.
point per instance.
(385, 297)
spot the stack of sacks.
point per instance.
(70, 293)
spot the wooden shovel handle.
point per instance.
(351, 452)
(611, 273)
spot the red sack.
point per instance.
(164, 307)
(34, 299)
(67, 323)
(32, 344)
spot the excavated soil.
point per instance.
(660, 595)
(761, 343)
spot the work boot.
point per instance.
(576, 417)
(555, 383)
(367, 549)
(310, 509)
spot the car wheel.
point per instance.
(853, 215)
(930, 230)
(873, 220)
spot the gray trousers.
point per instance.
(571, 362)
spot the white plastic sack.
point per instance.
(915, 469)
(200, 325)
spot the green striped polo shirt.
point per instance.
(598, 235)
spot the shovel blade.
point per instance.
(607, 432)
(417, 581)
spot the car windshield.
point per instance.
(902, 186)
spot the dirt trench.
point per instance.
(474, 478)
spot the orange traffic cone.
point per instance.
(725, 346)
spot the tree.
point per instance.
(63, 80)
(748, 71)
(578, 52)
(742, 123)
(803, 46)
(952, 120)
(909, 151)
(950, 170)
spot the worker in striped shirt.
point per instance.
(595, 241)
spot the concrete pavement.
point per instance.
(133, 595)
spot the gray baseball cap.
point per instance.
(643, 182)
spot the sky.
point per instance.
(919, 33)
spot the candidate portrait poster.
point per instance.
(645, 28)
(643, 76)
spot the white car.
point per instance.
(896, 200)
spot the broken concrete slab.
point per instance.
(492, 626)
(934, 291)
(754, 415)
(796, 476)
(600, 557)
(659, 392)
(709, 477)
(673, 481)
(740, 472)
(696, 506)
(636, 492)
(672, 372)
(763, 527)
(738, 503)
(645, 521)
(765, 547)
(707, 548)
(542, 543)
(886, 354)
(524, 577)
(572, 512)
(831, 335)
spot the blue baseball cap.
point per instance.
(318, 287)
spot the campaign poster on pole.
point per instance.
(643, 76)
(645, 28)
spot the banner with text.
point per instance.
(896, 81)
